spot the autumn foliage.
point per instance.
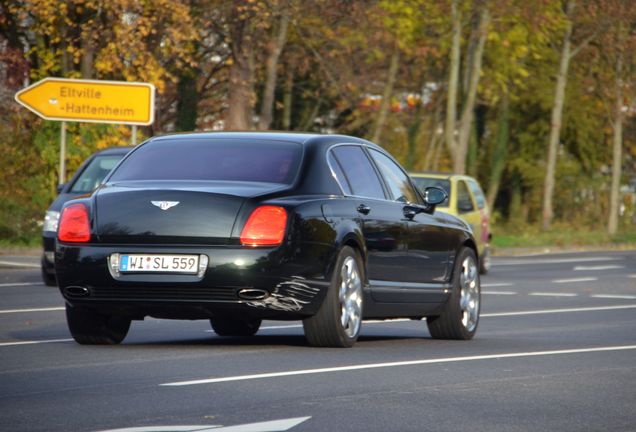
(464, 85)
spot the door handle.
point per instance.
(410, 211)
(364, 209)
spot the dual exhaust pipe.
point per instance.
(249, 294)
(252, 294)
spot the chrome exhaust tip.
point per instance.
(253, 294)
(76, 291)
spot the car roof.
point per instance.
(114, 150)
(440, 175)
(295, 137)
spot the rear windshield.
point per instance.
(94, 173)
(211, 159)
(424, 182)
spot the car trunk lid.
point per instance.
(172, 213)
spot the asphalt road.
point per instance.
(555, 351)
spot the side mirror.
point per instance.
(434, 196)
(60, 187)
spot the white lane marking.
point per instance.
(614, 296)
(498, 284)
(490, 315)
(399, 364)
(510, 262)
(18, 264)
(170, 428)
(3, 344)
(50, 309)
(574, 280)
(275, 327)
(499, 292)
(267, 426)
(553, 311)
(552, 294)
(21, 284)
(633, 276)
(288, 326)
(606, 267)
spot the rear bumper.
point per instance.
(293, 286)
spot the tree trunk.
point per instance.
(88, 57)
(412, 136)
(287, 100)
(187, 101)
(459, 166)
(473, 151)
(267, 104)
(612, 224)
(500, 151)
(240, 94)
(453, 80)
(242, 34)
(386, 96)
(555, 122)
(433, 137)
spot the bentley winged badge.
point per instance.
(164, 205)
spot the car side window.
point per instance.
(464, 202)
(477, 193)
(340, 176)
(94, 173)
(359, 172)
(396, 179)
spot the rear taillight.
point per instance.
(74, 225)
(265, 227)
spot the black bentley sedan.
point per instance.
(241, 227)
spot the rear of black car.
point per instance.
(190, 227)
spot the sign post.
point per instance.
(61, 99)
(62, 170)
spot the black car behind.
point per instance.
(90, 174)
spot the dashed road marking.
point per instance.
(36, 342)
(555, 311)
(614, 296)
(497, 284)
(19, 264)
(505, 293)
(606, 267)
(552, 294)
(488, 315)
(397, 364)
(574, 280)
(49, 309)
(266, 426)
(510, 262)
(16, 284)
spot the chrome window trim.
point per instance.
(365, 148)
(408, 177)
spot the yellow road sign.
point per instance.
(90, 101)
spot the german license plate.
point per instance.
(159, 263)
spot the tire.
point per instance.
(338, 321)
(460, 315)
(235, 326)
(91, 328)
(484, 261)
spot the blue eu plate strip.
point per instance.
(123, 264)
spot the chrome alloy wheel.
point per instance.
(350, 297)
(469, 296)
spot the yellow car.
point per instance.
(467, 201)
